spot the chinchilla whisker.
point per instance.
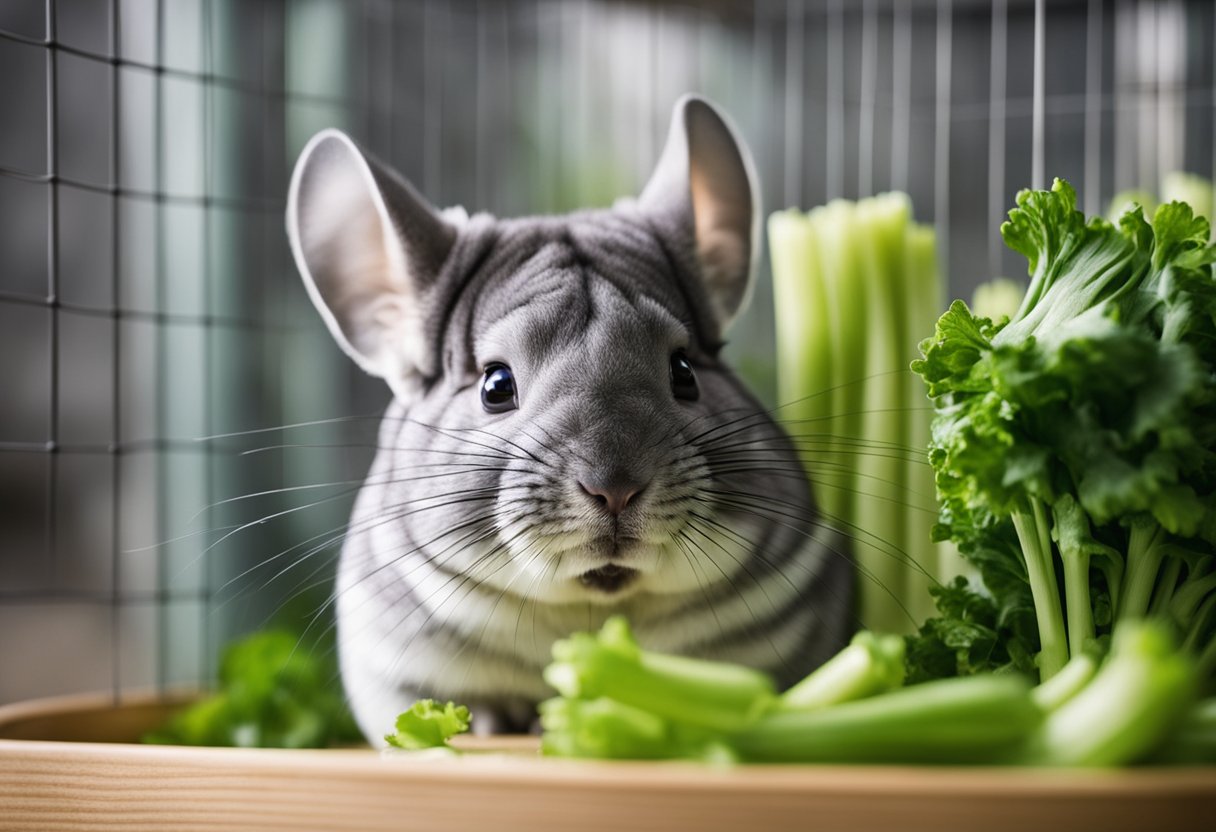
(827, 526)
(541, 551)
(865, 411)
(816, 440)
(336, 534)
(543, 576)
(479, 532)
(184, 536)
(849, 452)
(451, 550)
(464, 580)
(756, 622)
(468, 468)
(762, 418)
(729, 578)
(305, 445)
(316, 503)
(313, 423)
(746, 502)
(779, 569)
(701, 524)
(927, 505)
(448, 432)
(681, 544)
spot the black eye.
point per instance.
(498, 389)
(683, 379)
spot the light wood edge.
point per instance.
(513, 760)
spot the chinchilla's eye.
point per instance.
(498, 389)
(683, 379)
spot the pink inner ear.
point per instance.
(721, 196)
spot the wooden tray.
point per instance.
(71, 764)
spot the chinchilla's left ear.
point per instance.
(369, 249)
(704, 190)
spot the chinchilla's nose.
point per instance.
(612, 491)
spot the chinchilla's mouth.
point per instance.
(610, 578)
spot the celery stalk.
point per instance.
(693, 691)
(968, 719)
(856, 285)
(940, 561)
(1128, 710)
(871, 664)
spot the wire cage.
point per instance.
(155, 340)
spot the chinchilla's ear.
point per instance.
(705, 189)
(369, 248)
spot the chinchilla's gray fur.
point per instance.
(470, 542)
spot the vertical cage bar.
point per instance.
(481, 146)
(208, 648)
(390, 114)
(432, 129)
(52, 289)
(793, 103)
(159, 255)
(835, 101)
(996, 131)
(1093, 107)
(941, 131)
(1145, 73)
(1038, 104)
(115, 357)
(869, 84)
(901, 86)
(1125, 48)
(116, 437)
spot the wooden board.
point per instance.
(50, 781)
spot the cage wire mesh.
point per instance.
(150, 315)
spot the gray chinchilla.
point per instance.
(564, 441)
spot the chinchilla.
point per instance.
(564, 440)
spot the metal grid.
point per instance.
(513, 107)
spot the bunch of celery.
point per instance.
(620, 701)
(1074, 445)
(856, 284)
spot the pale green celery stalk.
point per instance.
(881, 498)
(1166, 586)
(1144, 554)
(1031, 524)
(1198, 629)
(837, 243)
(978, 719)
(1071, 532)
(1076, 600)
(805, 357)
(941, 561)
(1185, 606)
(871, 664)
(1139, 694)
(1066, 684)
(610, 664)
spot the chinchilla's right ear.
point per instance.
(368, 247)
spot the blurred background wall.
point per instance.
(149, 307)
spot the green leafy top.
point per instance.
(428, 724)
(273, 693)
(1094, 405)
